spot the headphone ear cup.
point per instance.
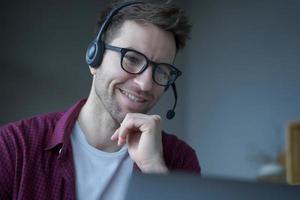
(94, 53)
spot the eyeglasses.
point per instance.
(135, 62)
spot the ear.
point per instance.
(93, 70)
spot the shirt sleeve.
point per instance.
(7, 157)
(179, 155)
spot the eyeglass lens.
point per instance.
(134, 62)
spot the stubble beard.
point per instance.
(110, 105)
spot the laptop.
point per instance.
(190, 187)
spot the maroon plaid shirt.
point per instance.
(36, 160)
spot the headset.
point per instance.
(96, 48)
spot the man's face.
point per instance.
(119, 92)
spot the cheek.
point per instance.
(108, 79)
(110, 69)
(110, 64)
(159, 91)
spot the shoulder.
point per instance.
(178, 154)
(29, 130)
(19, 140)
(36, 122)
(20, 145)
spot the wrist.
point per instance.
(158, 167)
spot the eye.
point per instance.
(164, 71)
(163, 74)
(133, 58)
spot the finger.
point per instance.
(124, 131)
(135, 123)
(130, 124)
(115, 135)
(121, 140)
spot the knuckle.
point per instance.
(129, 115)
(127, 118)
(155, 119)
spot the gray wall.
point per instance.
(238, 91)
(243, 82)
(42, 55)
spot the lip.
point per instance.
(133, 96)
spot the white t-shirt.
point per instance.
(99, 174)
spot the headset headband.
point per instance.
(111, 14)
(95, 50)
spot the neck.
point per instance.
(98, 125)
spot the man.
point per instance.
(90, 151)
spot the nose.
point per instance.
(144, 80)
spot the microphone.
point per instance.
(171, 113)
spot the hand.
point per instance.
(143, 136)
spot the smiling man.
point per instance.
(90, 151)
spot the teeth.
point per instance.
(132, 97)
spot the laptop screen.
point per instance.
(191, 186)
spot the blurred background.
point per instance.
(239, 90)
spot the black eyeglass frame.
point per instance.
(155, 65)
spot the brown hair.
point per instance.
(164, 15)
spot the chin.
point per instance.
(121, 115)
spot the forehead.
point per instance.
(156, 43)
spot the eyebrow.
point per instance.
(132, 48)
